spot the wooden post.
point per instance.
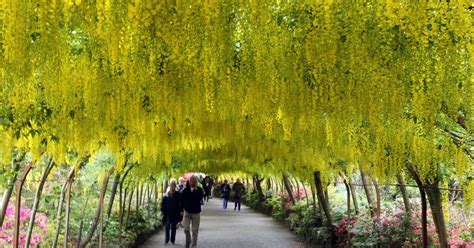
(424, 219)
(322, 198)
(19, 186)
(34, 209)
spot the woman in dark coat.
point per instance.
(171, 212)
(207, 187)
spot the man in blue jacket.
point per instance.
(191, 199)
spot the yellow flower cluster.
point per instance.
(258, 86)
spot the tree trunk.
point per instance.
(101, 224)
(81, 224)
(129, 207)
(142, 194)
(436, 205)
(68, 209)
(297, 195)
(122, 198)
(5, 199)
(288, 188)
(368, 192)
(34, 209)
(19, 186)
(139, 196)
(165, 186)
(292, 186)
(155, 190)
(149, 191)
(403, 190)
(137, 200)
(59, 216)
(305, 194)
(280, 185)
(269, 184)
(8, 192)
(322, 198)
(274, 185)
(60, 207)
(379, 198)
(258, 187)
(98, 214)
(110, 204)
(112, 195)
(354, 198)
(326, 195)
(320, 208)
(348, 199)
(424, 219)
(313, 193)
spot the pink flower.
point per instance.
(39, 231)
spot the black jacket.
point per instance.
(171, 206)
(191, 201)
(238, 189)
(225, 191)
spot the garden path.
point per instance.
(232, 229)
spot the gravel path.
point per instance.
(229, 229)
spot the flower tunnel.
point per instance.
(113, 96)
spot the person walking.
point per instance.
(225, 193)
(211, 181)
(207, 186)
(171, 209)
(181, 185)
(191, 200)
(238, 189)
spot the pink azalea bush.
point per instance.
(395, 228)
(299, 195)
(460, 230)
(39, 231)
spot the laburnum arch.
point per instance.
(253, 86)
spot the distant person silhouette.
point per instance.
(207, 186)
(238, 189)
(225, 193)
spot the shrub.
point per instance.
(251, 199)
(394, 228)
(306, 223)
(39, 230)
(274, 206)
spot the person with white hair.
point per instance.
(171, 210)
(181, 184)
(191, 199)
